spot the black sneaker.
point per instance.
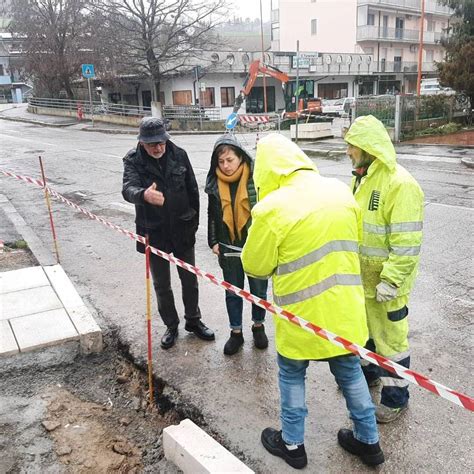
(274, 444)
(200, 329)
(234, 342)
(370, 454)
(260, 339)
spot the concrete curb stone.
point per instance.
(468, 161)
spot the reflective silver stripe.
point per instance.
(364, 363)
(400, 356)
(317, 289)
(376, 229)
(318, 254)
(374, 251)
(392, 228)
(406, 227)
(406, 251)
(393, 382)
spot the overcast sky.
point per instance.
(251, 8)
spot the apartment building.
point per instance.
(387, 31)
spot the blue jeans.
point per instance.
(349, 377)
(234, 273)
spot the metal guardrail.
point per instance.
(98, 108)
(191, 112)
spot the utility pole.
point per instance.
(297, 95)
(263, 61)
(420, 48)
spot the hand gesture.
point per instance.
(154, 197)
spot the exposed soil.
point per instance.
(14, 259)
(465, 138)
(89, 417)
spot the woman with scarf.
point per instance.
(232, 194)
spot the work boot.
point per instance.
(169, 338)
(370, 454)
(234, 342)
(200, 329)
(274, 444)
(385, 414)
(374, 383)
(260, 339)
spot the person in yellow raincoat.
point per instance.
(304, 234)
(392, 207)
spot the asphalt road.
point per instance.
(238, 396)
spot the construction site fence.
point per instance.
(192, 113)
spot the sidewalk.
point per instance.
(40, 306)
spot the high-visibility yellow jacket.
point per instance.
(304, 233)
(392, 207)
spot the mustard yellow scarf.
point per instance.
(235, 219)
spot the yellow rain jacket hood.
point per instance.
(369, 133)
(392, 204)
(304, 234)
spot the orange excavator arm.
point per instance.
(254, 69)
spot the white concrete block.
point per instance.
(311, 131)
(89, 331)
(63, 287)
(8, 343)
(43, 329)
(30, 301)
(195, 452)
(22, 279)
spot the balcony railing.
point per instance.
(375, 33)
(402, 66)
(410, 6)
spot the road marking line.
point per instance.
(449, 205)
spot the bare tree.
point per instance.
(56, 37)
(159, 37)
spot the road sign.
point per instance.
(202, 86)
(231, 121)
(88, 71)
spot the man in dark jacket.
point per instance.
(158, 178)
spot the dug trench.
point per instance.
(90, 416)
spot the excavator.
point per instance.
(305, 106)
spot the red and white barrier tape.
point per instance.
(254, 118)
(407, 374)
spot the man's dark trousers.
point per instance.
(160, 270)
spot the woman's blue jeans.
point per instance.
(234, 273)
(349, 377)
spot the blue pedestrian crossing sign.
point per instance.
(231, 121)
(88, 71)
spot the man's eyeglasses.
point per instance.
(155, 144)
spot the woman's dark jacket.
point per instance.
(217, 231)
(171, 227)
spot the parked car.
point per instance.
(432, 86)
(338, 107)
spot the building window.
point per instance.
(207, 97)
(275, 31)
(429, 55)
(431, 26)
(1, 70)
(314, 27)
(333, 90)
(255, 101)
(227, 96)
(182, 97)
(370, 19)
